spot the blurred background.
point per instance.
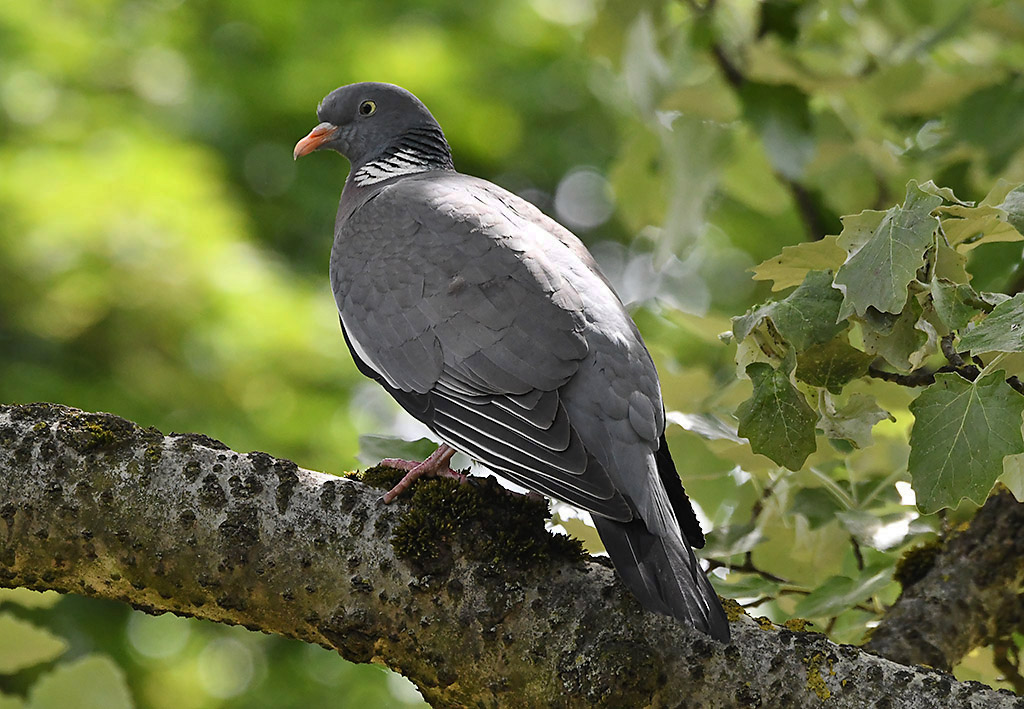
(163, 258)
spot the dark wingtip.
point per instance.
(677, 496)
(717, 622)
(664, 575)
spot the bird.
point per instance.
(493, 325)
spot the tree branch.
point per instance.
(961, 593)
(92, 504)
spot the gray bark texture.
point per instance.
(458, 588)
(959, 593)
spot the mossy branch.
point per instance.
(479, 613)
(959, 593)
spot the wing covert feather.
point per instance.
(470, 333)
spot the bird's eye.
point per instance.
(366, 108)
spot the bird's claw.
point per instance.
(436, 465)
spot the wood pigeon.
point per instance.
(493, 325)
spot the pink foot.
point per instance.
(434, 466)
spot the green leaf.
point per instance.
(732, 540)
(997, 194)
(805, 317)
(744, 324)
(974, 226)
(790, 267)
(950, 264)
(639, 190)
(945, 193)
(92, 682)
(783, 120)
(852, 422)
(962, 431)
(989, 118)
(25, 645)
(952, 304)
(877, 275)
(746, 586)
(373, 449)
(768, 349)
(858, 229)
(1012, 364)
(1013, 205)
(707, 426)
(808, 315)
(776, 419)
(1001, 331)
(28, 598)
(9, 702)
(876, 530)
(904, 341)
(816, 504)
(839, 593)
(994, 299)
(831, 365)
(1013, 475)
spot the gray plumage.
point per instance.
(491, 324)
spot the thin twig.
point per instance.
(857, 554)
(971, 371)
(730, 71)
(758, 506)
(917, 378)
(956, 360)
(806, 208)
(748, 567)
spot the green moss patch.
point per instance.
(915, 563)
(380, 476)
(489, 524)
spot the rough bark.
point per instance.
(482, 614)
(960, 593)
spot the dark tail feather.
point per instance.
(664, 575)
(677, 496)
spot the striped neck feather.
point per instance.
(417, 150)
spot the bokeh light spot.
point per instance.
(157, 637)
(226, 668)
(28, 97)
(161, 76)
(583, 199)
(566, 12)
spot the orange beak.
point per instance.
(317, 137)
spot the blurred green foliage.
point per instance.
(162, 257)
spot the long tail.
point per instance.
(660, 568)
(664, 575)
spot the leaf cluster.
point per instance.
(890, 297)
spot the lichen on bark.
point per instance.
(95, 505)
(959, 592)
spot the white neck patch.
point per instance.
(385, 167)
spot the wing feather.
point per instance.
(473, 336)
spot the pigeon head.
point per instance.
(378, 126)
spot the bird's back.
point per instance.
(491, 289)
